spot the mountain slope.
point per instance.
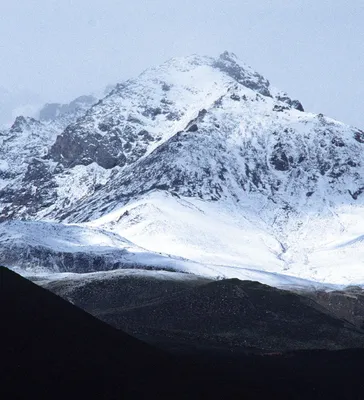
(41, 247)
(49, 250)
(231, 315)
(52, 348)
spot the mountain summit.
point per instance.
(152, 108)
(202, 158)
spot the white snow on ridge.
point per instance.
(203, 232)
(236, 242)
(25, 236)
(275, 280)
(68, 238)
(73, 239)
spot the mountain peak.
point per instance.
(229, 56)
(144, 112)
(22, 123)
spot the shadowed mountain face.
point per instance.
(51, 349)
(347, 304)
(231, 315)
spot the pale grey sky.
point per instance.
(313, 49)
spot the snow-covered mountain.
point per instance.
(27, 141)
(202, 158)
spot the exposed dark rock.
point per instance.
(117, 136)
(80, 262)
(337, 171)
(72, 149)
(22, 123)
(280, 108)
(357, 193)
(166, 87)
(297, 105)
(337, 142)
(359, 136)
(193, 128)
(292, 103)
(152, 112)
(324, 167)
(352, 163)
(38, 171)
(227, 63)
(279, 159)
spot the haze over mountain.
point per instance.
(17, 102)
(313, 50)
(199, 158)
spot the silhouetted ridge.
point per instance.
(51, 349)
(50, 346)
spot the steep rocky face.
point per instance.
(217, 157)
(29, 138)
(228, 64)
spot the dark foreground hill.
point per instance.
(229, 315)
(48, 346)
(51, 349)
